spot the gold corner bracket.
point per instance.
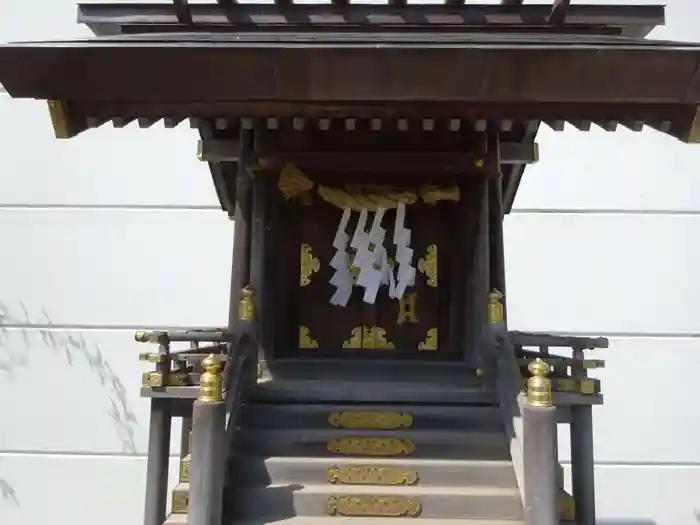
(428, 265)
(308, 265)
(305, 339)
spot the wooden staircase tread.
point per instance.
(380, 461)
(406, 490)
(321, 391)
(341, 520)
(463, 436)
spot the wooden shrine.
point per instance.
(367, 154)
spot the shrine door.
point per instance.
(414, 327)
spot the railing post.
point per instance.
(582, 459)
(157, 463)
(208, 452)
(540, 449)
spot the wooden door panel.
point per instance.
(411, 328)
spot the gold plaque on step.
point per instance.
(375, 506)
(370, 475)
(184, 470)
(371, 446)
(370, 420)
(180, 502)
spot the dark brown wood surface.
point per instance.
(492, 69)
(331, 326)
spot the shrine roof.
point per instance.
(228, 66)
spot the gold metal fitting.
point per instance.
(539, 387)
(151, 358)
(153, 379)
(141, 337)
(495, 307)
(245, 304)
(479, 163)
(210, 386)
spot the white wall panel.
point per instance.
(76, 490)
(647, 495)
(62, 379)
(608, 274)
(109, 268)
(649, 415)
(102, 167)
(598, 170)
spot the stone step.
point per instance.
(286, 501)
(330, 391)
(460, 444)
(181, 519)
(339, 520)
(382, 370)
(375, 416)
(262, 471)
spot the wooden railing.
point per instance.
(214, 414)
(530, 407)
(530, 423)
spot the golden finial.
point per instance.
(539, 387)
(245, 304)
(495, 307)
(210, 388)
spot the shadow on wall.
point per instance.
(73, 346)
(7, 492)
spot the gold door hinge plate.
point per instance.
(374, 506)
(371, 475)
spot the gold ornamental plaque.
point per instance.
(371, 475)
(184, 470)
(375, 506)
(370, 420)
(371, 446)
(180, 502)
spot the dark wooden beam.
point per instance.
(516, 171)
(182, 10)
(554, 115)
(227, 151)
(221, 173)
(151, 72)
(558, 13)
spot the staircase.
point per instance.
(372, 442)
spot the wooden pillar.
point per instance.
(582, 458)
(240, 265)
(157, 464)
(497, 271)
(539, 450)
(208, 450)
(259, 264)
(477, 283)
